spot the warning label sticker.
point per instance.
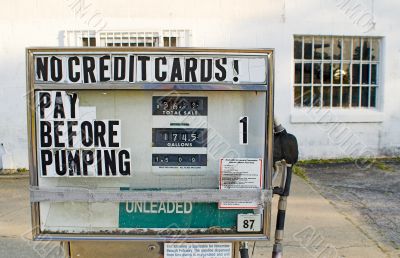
(240, 173)
(198, 250)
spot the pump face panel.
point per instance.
(130, 142)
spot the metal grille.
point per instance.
(164, 38)
(82, 38)
(332, 71)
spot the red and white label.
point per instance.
(240, 174)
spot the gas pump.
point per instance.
(151, 151)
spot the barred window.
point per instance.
(332, 71)
(164, 38)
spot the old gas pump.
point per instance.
(151, 151)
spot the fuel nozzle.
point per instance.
(278, 128)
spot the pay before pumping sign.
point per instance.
(73, 143)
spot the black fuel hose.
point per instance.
(244, 253)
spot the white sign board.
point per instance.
(198, 250)
(249, 222)
(71, 145)
(149, 68)
(240, 173)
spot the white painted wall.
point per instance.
(226, 24)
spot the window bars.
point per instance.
(335, 71)
(164, 38)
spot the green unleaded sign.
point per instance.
(176, 215)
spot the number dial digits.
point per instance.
(179, 137)
(180, 106)
(179, 140)
(179, 160)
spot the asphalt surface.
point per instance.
(370, 197)
(356, 216)
(15, 224)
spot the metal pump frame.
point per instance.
(37, 193)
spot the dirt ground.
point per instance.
(370, 196)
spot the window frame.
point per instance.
(144, 38)
(375, 86)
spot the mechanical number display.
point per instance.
(183, 129)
